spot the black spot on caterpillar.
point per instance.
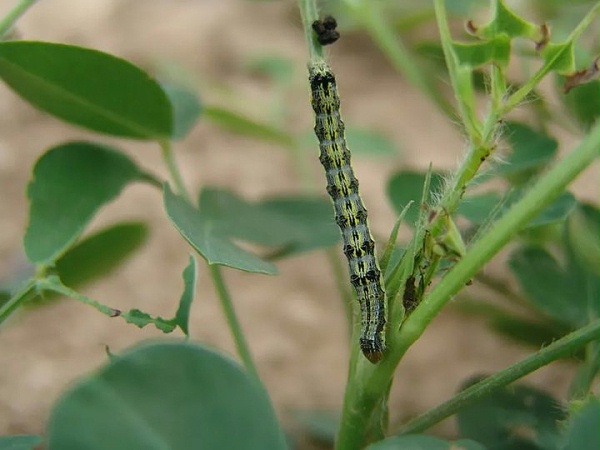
(326, 30)
(350, 212)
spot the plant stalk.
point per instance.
(368, 384)
(563, 347)
(8, 21)
(232, 320)
(370, 14)
(169, 158)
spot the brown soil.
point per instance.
(294, 322)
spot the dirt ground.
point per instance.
(293, 321)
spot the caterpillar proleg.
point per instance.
(350, 212)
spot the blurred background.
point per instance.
(249, 57)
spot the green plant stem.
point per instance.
(460, 77)
(25, 294)
(54, 284)
(309, 13)
(558, 349)
(539, 196)
(169, 158)
(481, 136)
(369, 383)
(372, 17)
(7, 22)
(232, 320)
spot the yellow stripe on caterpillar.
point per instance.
(350, 212)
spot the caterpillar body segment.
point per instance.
(350, 212)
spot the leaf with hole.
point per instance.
(182, 317)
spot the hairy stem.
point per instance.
(369, 384)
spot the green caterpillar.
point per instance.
(350, 212)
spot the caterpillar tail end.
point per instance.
(373, 349)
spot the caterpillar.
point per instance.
(350, 212)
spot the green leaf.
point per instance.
(407, 186)
(514, 418)
(166, 396)
(583, 231)
(507, 22)
(69, 184)
(140, 319)
(362, 142)
(88, 88)
(552, 288)
(555, 212)
(186, 108)
(292, 224)
(204, 234)
(535, 334)
(369, 142)
(479, 208)
(314, 225)
(530, 149)
(569, 293)
(280, 69)
(242, 125)
(559, 57)
(21, 442)
(583, 102)
(495, 51)
(424, 442)
(100, 253)
(582, 428)
(320, 425)
(182, 317)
